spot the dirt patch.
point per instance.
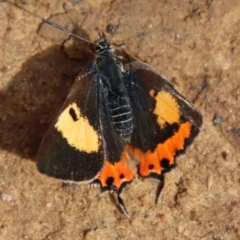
(195, 44)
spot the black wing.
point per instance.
(82, 137)
(72, 148)
(164, 121)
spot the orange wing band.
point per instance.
(151, 161)
(119, 172)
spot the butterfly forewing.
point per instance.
(164, 121)
(72, 148)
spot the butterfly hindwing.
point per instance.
(116, 171)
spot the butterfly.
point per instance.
(114, 113)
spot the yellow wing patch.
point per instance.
(78, 132)
(166, 108)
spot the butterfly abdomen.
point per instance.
(121, 115)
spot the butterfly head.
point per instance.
(103, 45)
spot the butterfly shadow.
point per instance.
(32, 99)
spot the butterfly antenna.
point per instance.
(113, 34)
(66, 31)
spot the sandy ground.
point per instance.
(196, 44)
